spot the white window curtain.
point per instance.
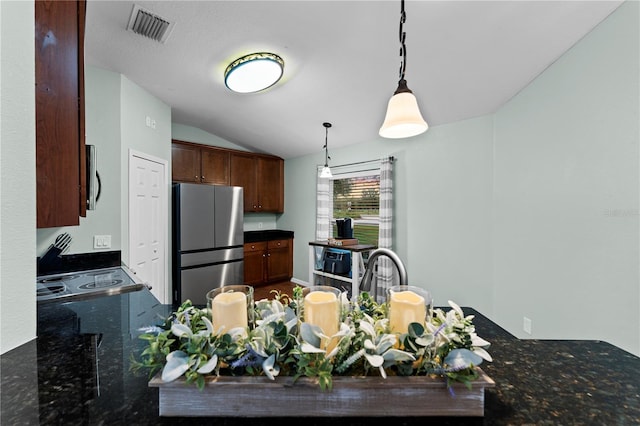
(385, 275)
(385, 272)
(323, 225)
(323, 204)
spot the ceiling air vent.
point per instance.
(149, 24)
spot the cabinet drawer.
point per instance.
(251, 247)
(277, 244)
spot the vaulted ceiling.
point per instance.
(464, 59)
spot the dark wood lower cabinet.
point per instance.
(268, 261)
(255, 261)
(279, 260)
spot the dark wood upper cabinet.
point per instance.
(260, 175)
(215, 166)
(244, 173)
(199, 163)
(185, 162)
(270, 183)
(59, 101)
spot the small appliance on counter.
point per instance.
(336, 261)
(344, 228)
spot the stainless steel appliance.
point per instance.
(94, 185)
(208, 238)
(72, 286)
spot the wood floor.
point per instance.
(264, 292)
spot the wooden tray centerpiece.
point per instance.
(225, 396)
(288, 365)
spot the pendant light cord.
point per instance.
(326, 143)
(403, 36)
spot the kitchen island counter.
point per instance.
(78, 372)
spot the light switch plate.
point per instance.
(101, 241)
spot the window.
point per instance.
(356, 195)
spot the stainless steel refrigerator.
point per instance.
(208, 239)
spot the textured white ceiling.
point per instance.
(464, 59)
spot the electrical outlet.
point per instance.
(526, 325)
(101, 241)
(150, 122)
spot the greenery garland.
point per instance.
(186, 344)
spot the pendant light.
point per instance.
(403, 117)
(326, 171)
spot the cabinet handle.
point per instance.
(202, 177)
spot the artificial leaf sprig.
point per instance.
(186, 344)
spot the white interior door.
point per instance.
(148, 215)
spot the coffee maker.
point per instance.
(344, 228)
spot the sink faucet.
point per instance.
(365, 284)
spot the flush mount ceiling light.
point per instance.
(326, 171)
(403, 117)
(254, 72)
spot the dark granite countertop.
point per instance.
(77, 372)
(266, 235)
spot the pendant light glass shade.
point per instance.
(403, 117)
(254, 72)
(326, 172)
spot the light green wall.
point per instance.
(532, 211)
(136, 105)
(566, 193)
(116, 111)
(193, 134)
(102, 123)
(442, 207)
(17, 175)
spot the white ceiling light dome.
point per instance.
(254, 72)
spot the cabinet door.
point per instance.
(185, 163)
(59, 102)
(254, 263)
(214, 166)
(271, 184)
(279, 260)
(244, 174)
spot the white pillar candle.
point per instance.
(406, 307)
(322, 308)
(229, 310)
